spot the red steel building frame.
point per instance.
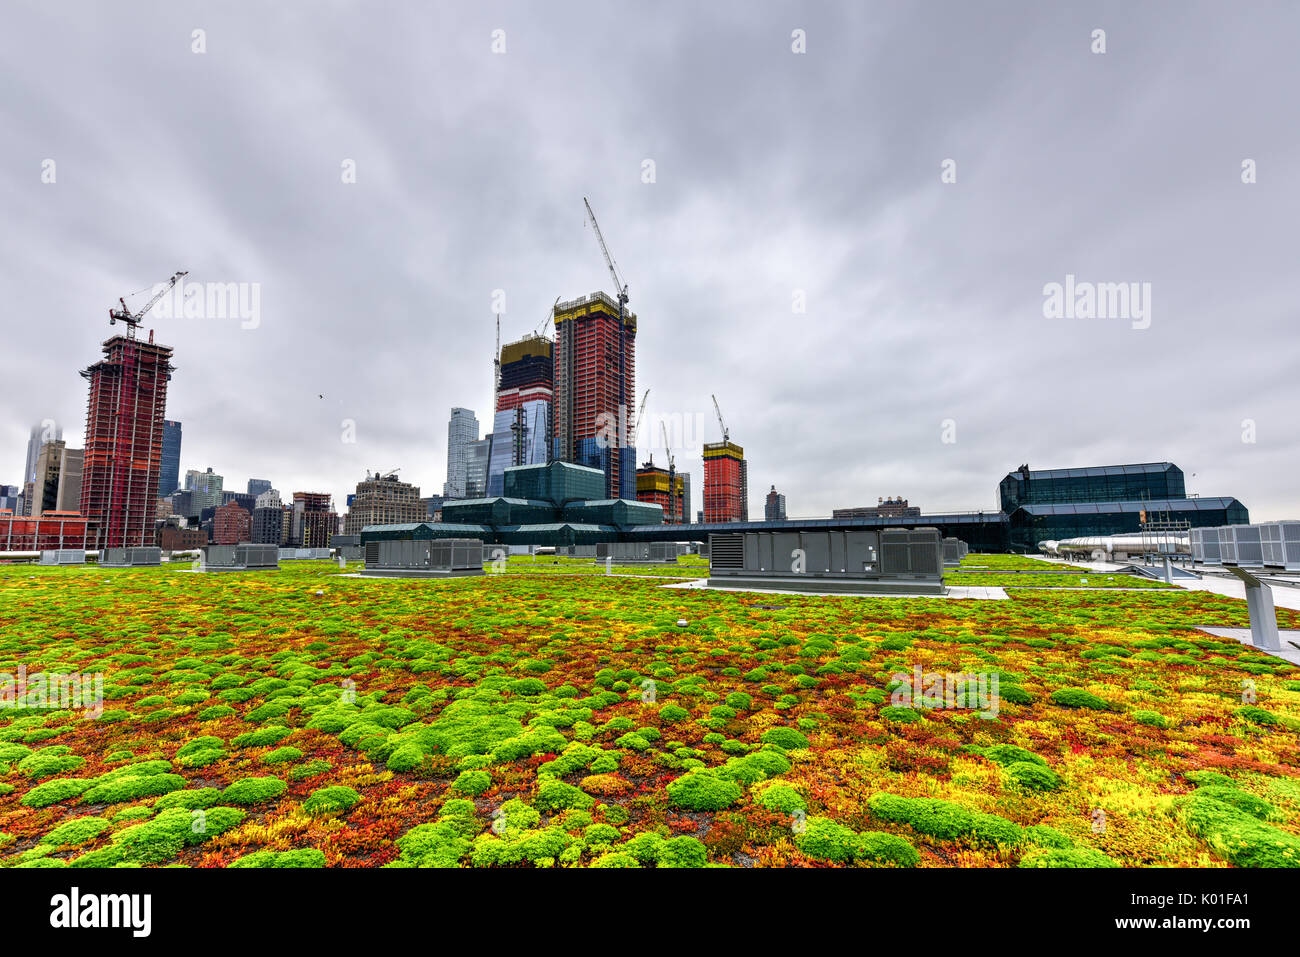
(124, 426)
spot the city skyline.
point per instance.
(917, 310)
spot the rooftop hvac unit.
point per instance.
(911, 552)
(1291, 544)
(130, 557)
(636, 552)
(952, 552)
(304, 554)
(441, 558)
(1247, 546)
(240, 558)
(1205, 545)
(63, 556)
(889, 561)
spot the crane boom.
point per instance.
(134, 319)
(640, 412)
(726, 436)
(550, 313)
(620, 287)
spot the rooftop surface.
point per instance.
(613, 721)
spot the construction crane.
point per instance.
(620, 288)
(496, 367)
(134, 319)
(726, 435)
(550, 313)
(640, 412)
(672, 478)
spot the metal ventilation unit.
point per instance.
(1205, 546)
(305, 554)
(954, 550)
(130, 557)
(890, 561)
(1267, 545)
(63, 556)
(641, 553)
(245, 557)
(425, 558)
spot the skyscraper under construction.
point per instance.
(124, 440)
(595, 380)
(521, 422)
(726, 482)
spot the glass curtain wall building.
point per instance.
(1107, 483)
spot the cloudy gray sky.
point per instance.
(776, 174)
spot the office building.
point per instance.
(383, 500)
(46, 431)
(205, 488)
(774, 507)
(169, 471)
(124, 432)
(268, 525)
(258, 486)
(477, 457)
(57, 480)
(462, 432)
(595, 381)
(518, 438)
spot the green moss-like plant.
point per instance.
(330, 799)
(80, 830)
(781, 798)
(1078, 698)
(1032, 776)
(703, 791)
(886, 848)
(1067, 857)
(787, 738)
(472, 783)
(554, 795)
(253, 790)
(302, 857)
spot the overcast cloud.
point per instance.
(774, 172)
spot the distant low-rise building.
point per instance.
(171, 536)
(231, 524)
(884, 508)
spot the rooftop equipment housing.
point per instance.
(425, 558)
(134, 557)
(890, 561)
(63, 556)
(245, 557)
